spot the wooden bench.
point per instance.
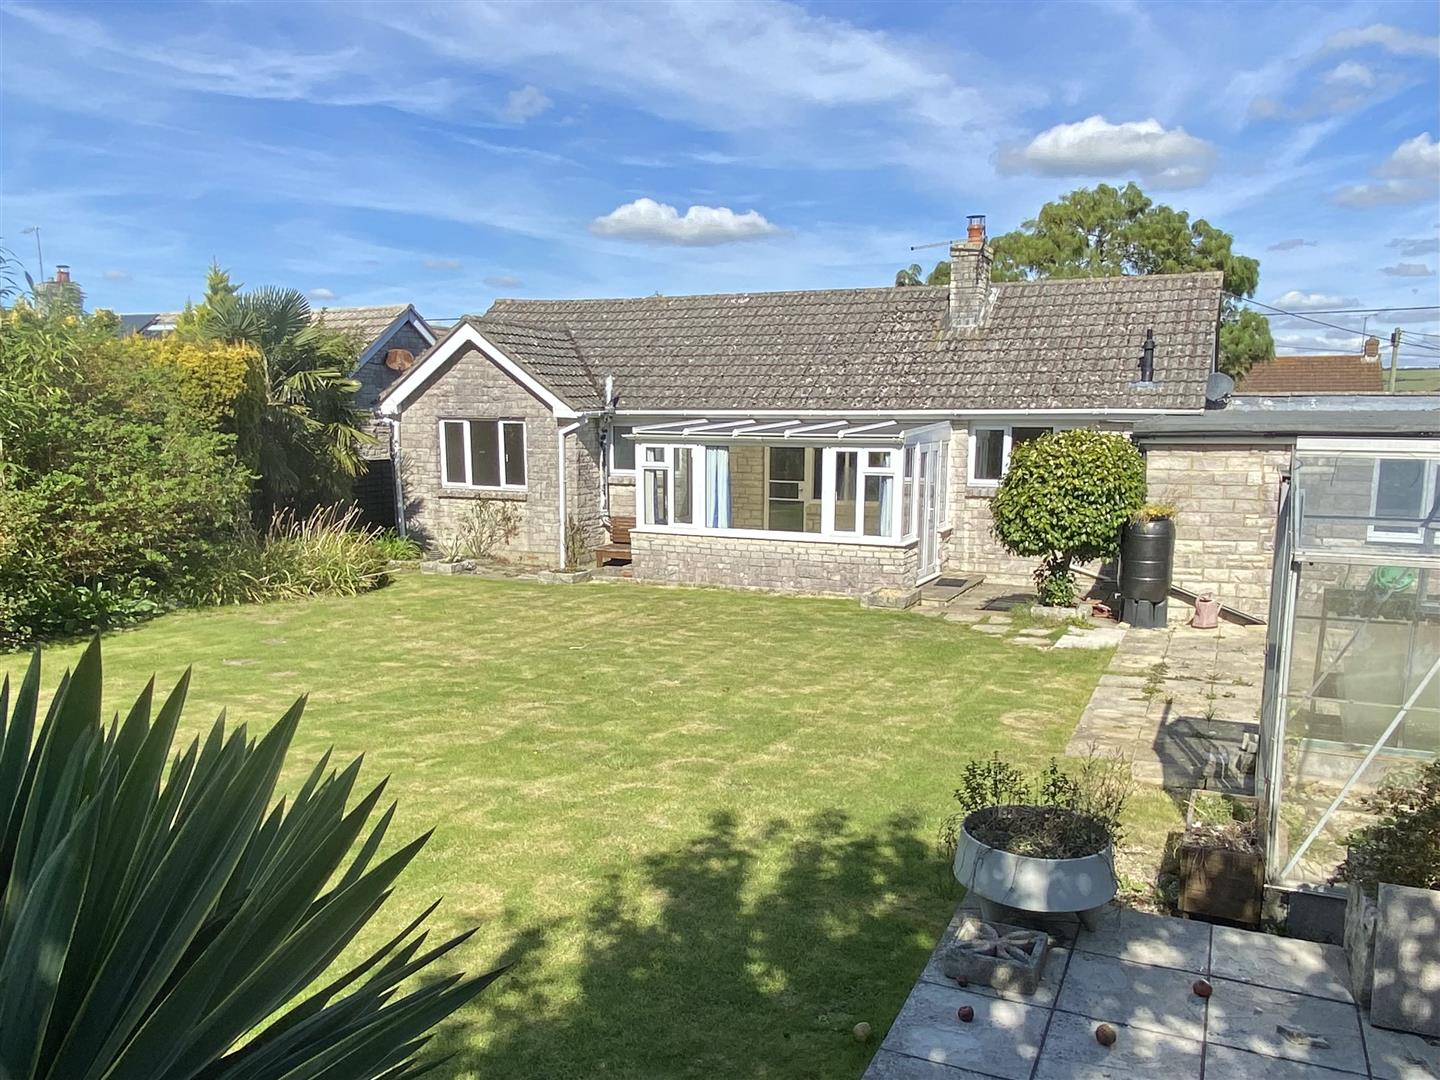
(619, 547)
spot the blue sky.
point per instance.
(449, 153)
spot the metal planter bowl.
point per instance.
(1030, 884)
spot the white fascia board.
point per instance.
(1365, 447)
(461, 337)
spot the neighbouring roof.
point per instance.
(1060, 344)
(1313, 374)
(366, 323)
(133, 324)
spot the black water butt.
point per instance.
(1147, 562)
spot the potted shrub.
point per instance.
(1221, 860)
(1147, 562)
(1064, 499)
(1044, 844)
(1400, 847)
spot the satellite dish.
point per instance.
(1219, 387)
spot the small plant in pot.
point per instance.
(1221, 864)
(1041, 843)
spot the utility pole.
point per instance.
(1394, 355)
(39, 258)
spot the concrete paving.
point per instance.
(1172, 700)
(1279, 1009)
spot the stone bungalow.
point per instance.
(834, 441)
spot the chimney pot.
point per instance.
(975, 227)
(62, 273)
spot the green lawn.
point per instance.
(1418, 380)
(700, 823)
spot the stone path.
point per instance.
(1171, 697)
(1003, 610)
(1280, 1009)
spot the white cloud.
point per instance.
(1162, 157)
(1390, 38)
(503, 281)
(525, 104)
(116, 275)
(1350, 73)
(1291, 245)
(1414, 159)
(659, 223)
(1409, 175)
(322, 294)
(1295, 300)
(441, 265)
(1405, 269)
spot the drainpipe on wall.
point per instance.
(392, 425)
(565, 433)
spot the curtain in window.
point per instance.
(717, 483)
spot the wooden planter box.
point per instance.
(1219, 883)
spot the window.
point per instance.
(785, 489)
(668, 485)
(1403, 500)
(622, 449)
(990, 449)
(482, 453)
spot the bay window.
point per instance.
(482, 453)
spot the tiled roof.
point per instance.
(1314, 374)
(365, 323)
(1043, 345)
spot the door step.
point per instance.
(946, 588)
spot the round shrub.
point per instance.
(1064, 500)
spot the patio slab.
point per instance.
(1137, 974)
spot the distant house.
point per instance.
(388, 338)
(1337, 374)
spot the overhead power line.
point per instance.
(1322, 322)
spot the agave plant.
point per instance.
(164, 922)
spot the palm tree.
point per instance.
(307, 438)
(909, 276)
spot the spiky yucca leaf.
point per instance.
(154, 920)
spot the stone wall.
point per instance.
(797, 566)
(471, 387)
(1227, 497)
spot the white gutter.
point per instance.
(392, 425)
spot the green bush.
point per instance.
(397, 548)
(114, 490)
(165, 916)
(327, 552)
(1065, 498)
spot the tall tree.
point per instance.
(310, 432)
(218, 287)
(1105, 232)
(914, 275)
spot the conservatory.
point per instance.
(868, 483)
(1352, 681)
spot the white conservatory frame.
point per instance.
(902, 444)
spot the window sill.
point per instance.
(497, 494)
(622, 479)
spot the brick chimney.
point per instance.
(1372, 348)
(970, 275)
(62, 274)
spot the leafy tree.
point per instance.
(912, 275)
(166, 917)
(218, 287)
(309, 432)
(1106, 232)
(1065, 498)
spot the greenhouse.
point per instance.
(1352, 680)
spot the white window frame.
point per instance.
(1008, 436)
(500, 423)
(614, 441)
(902, 532)
(1383, 534)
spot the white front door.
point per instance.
(928, 511)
